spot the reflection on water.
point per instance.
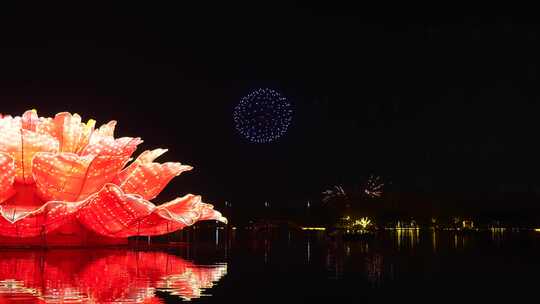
(391, 266)
(406, 237)
(395, 258)
(434, 240)
(101, 276)
(375, 269)
(357, 257)
(497, 235)
(308, 250)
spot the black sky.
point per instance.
(436, 104)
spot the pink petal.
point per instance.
(111, 211)
(30, 120)
(184, 207)
(106, 130)
(9, 122)
(144, 158)
(42, 125)
(70, 177)
(7, 176)
(73, 135)
(22, 145)
(46, 126)
(38, 222)
(172, 216)
(146, 178)
(115, 147)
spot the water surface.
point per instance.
(407, 265)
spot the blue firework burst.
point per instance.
(262, 116)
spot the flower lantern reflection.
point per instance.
(63, 181)
(102, 276)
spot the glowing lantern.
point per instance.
(62, 181)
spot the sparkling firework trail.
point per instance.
(336, 191)
(374, 186)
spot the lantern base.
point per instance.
(71, 234)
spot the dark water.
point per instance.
(403, 266)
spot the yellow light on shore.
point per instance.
(314, 228)
(537, 229)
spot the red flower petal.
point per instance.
(106, 130)
(73, 135)
(144, 158)
(7, 176)
(112, 211)
(146, 178)
(22, 145)
(124, 146)
(30, 120)
(149, 179)
(46, 126)
(109, 212)
(70, 177)
(172, 216)
(38, 222)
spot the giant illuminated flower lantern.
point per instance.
(62, 181)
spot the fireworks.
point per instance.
(374, 186)
(363, 222)
(262, 116)
(335, 192)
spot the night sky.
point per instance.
(434, 104)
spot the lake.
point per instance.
(291, 266)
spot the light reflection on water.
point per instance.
(297, 264)
(102, 276)
(399, 256)
(406, 237)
